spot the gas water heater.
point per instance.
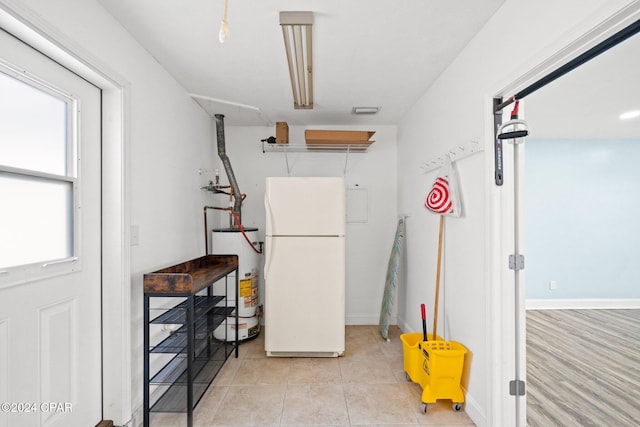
(230, 241)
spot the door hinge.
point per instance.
(516, 388)
(516, 262)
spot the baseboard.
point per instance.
(404, 326)
(475, 411)
(563, 304)
(137, 416)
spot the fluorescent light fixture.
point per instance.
(365, 110)
(630, 115)
(296, 29)
(224, 28)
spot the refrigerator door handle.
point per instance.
(269, 242)
(269, 220)
(267, 257)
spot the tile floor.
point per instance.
(366, 387)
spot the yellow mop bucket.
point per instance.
(437, 366)
(413, 357)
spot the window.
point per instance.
(37, 173)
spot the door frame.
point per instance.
(23, 23)
(500, 218)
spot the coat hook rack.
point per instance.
(455, 153)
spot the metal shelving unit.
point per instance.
(345, 149)
(315, 148)
(197, 358)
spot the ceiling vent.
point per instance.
(365, 110)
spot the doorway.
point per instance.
(50, 289)
(26, 25)
(510, 206)
(515, 308)
(581, 219)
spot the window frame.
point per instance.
(19, 274)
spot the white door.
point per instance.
(50, 307)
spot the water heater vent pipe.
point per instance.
(236, 194)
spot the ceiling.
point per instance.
(365, 53)
(588, 101)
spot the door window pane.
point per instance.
(36, 176)
(36, 221)
(33, 128)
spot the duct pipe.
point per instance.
(206, 228)
(237, 195)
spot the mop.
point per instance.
(442, 199)
(391, 281)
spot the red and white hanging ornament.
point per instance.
(443, 196)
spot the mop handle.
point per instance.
(435, 305)
(424, 322)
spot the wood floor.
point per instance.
(583, 368)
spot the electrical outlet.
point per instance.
(553, 285)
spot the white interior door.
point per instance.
(50, 286)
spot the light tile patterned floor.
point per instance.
(366, 387)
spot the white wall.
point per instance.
(453, 111)
(582, 219)
(368, 244)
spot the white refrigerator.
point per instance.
(304, 272)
